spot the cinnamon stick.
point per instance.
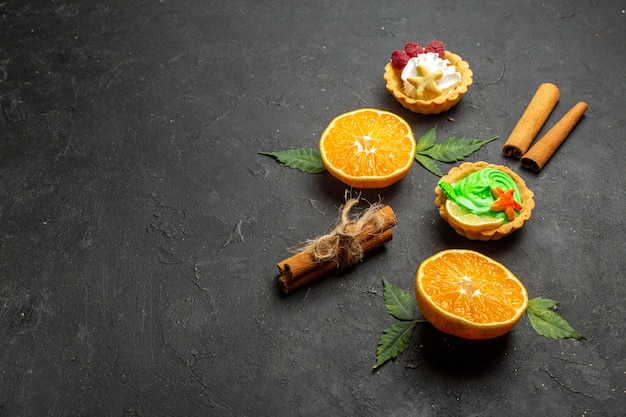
(532, 120)
(305, 267)
(544, 149)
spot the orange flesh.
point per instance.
(472, 288)
(368, 144)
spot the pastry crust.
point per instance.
(438, 104)
(463, 170)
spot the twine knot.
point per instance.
(342, 243)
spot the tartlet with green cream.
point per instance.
(483, 201)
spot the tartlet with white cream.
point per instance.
(427, 80)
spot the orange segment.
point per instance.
(469, 295)
(368, 148)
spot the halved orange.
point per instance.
(467, 294)
(368, 148)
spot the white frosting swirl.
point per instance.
(434, 63)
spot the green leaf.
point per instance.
(541, 303)
(394, 340)
(303, 159)
(399, 303)
(455, 149)
(429, 164)
(427, 140)
(547, 322)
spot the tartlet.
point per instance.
(438, 104)
(458, 173)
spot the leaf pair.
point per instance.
(396, 338)
(452, 149)
(400, 304)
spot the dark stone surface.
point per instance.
(140, 228)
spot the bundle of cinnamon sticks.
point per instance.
(345, 245)
(531, 122)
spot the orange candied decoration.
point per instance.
(505, 202)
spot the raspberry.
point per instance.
(437, 47)
(399, 59)
(413, 49)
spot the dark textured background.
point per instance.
(140, 228)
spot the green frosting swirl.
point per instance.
(473, 192)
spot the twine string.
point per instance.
(342, 243)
